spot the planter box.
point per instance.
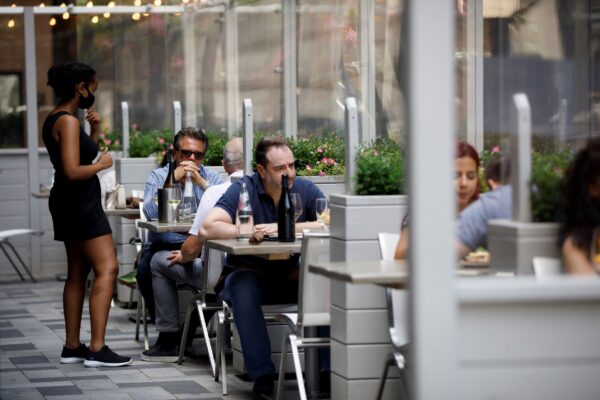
(332, 184)
(513, 244)
(133, 172)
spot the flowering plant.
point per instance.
(151, 142)
(318, 155)
(109, 140)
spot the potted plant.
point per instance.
(513, 244)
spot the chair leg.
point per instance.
(222, 331)
(11, 260)
(138, 315)
(206, 336)
(388, 361)
(21, 261)
(297, 366)
(218, 346)
(282, 364)
(184, 334)
(145, 322)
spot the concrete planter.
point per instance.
(513, 244)
(355, 224)
(133, 172)
(332, 184)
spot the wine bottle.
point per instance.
(244, 222)
(188, 204)
(170, 181)
(285, 214)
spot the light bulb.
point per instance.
(137, 3)
(95, 19)
(65, 15)
(63, 5)
(11, 23)
(52, 21)
(106, 15)
(157, 3)
(111, 4)
(135, 16)
(89, 4)
(42, 5)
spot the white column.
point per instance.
(290, 69)
(248, 135)
(32, 137)
(474, 77)
(189, 61)
(231, 67)
(125, 127)
(176, 117)
(432, 258)
(520, 162)
(352, 140)
(366, 33)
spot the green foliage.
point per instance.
(110, 140)
(151, 142)
(216, 143)
(319, 155)
(380, 169)
(546, 178)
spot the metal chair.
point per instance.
(4, 242)
(396, 305)
(313, 308)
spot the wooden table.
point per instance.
(161, 227)
(241, 247)
(385, 273)
(123, 212)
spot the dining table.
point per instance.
(161, 227)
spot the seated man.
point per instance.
(249, 282)
(190, 146)
(182, 266)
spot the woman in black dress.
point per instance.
(77, 214)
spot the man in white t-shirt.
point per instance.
(185, 265)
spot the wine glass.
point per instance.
(322, 209)
(174, 201)
(297, 200)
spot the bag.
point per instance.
(116, 198)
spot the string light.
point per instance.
(185, 1)
(89, 4)
(65, 15)
(11, 23)
(52, 21)
(95, 19)
(106, 15)
(157, 3)
(63, 5)
(137, 3)
(111, 4)
(135, 16)
(42, 5)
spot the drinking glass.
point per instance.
(595, 249)
(297, 200)
(155, 197)
(322, 209)
(174, 202)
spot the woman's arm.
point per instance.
(402, 246)
(576, 259)
(67, 129)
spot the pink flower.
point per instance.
(117, 142)
(321, 173)
(324, 160)
(161, 140)
(308, 168)
(319, 149)
(107, 142)
(496, 149)
(135, 126)
(171, 146)
(331, 161)
(101, 135)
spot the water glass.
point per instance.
(297, 200)
(323, 214)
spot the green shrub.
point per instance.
(151, 142)
(216, 143)
(546, 178)
(380, 169)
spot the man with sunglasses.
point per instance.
(189, 147)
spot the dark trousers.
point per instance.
(246, 291)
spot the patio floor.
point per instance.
(31, 339)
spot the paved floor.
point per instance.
(31, 339)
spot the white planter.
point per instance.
(133, 172)
(331, 184)
(513, 244)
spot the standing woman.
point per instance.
(77, 214)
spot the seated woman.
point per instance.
(466, 184)
(580, 215)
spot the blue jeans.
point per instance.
(246, 291)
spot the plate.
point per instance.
(474, 264)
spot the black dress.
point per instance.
(75, 206)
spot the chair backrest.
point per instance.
(387, 245)
(142, 233)
(214, 260)
(314, 291)
(397, 299)
(546, 267)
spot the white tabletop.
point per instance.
(243, 247)
(123, 212)
(377, 271)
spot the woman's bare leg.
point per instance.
(100, 252)
(74, 293)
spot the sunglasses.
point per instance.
(199, 155)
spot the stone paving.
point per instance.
(31, 339)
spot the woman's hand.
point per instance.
(267, 229)
(105, 160)
(93, 118)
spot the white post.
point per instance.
(562, 123)
(351, 121)
(176, 116)
(231, 66)
(474, 55)
(520, 145)
(189, 61)
(248, 135)
(290, 69)
(367, 69)
(431, 121)
(33, 155)
(125, 127)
